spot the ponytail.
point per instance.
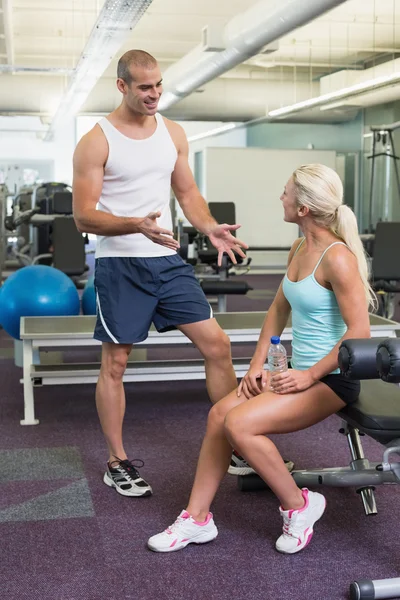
(345, 227)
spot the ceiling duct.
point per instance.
(244, 36)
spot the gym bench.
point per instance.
(376, 362)
(58, 332)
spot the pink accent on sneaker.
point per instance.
(304, 493)
(308, 538)
(185, 515)
(173, 543)
(206, 522)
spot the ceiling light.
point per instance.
(355, 89)
(211, 132)
(115, 22)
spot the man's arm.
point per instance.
(88, 163)
(194, 206)
(90, 157)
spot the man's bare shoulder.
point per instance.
(93, 145)
(176, 131)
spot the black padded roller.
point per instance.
(226, 286)
(388, 360)
(357, 358)
(251, 483)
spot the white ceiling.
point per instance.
(51, 34)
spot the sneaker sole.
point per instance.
(200, 540)
(240, 470)
(249, 471)
(135, 493)
(310, 535)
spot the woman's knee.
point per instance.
(218, 412)
(234, 426)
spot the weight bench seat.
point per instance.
(377, 411)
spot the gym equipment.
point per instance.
(46, 232)
(242, 328)
(36, 290)
(383, 146)
(387, 367)
(89, 298)
(196, 249)
(377, 414)
(385, 266)
(3, 237)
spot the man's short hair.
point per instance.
(138, 58)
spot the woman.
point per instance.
(326, 288)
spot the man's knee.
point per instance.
(218, 348)
(114, 360)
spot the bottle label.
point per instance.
(277, 363)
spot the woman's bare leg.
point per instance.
(215, 455)
(247, 425)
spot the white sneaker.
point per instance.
(240, 466)
(298, 524)
(184, 531)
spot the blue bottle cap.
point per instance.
(275, 339)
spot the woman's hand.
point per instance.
(291, 381)
(253, 383)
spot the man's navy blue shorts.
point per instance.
(131, 293)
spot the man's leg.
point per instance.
(110, 396)
(121, 474)
(214, 345)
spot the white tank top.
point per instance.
(137, 181)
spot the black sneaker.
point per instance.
(124, 477)
(239, 466)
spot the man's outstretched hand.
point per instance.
(222, 239)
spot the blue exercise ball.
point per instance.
(89, 298)
(36, 291)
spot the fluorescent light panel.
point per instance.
(363, 86)
(211, 132)
(116, 20)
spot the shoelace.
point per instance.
(128, 468)
(289, 527)
(172, 528)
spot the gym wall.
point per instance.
(254, 178)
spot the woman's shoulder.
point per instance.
(296, 244)
(338, 256)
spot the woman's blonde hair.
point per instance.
(320, 189)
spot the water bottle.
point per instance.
(277, 358)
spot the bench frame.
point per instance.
(63, 332)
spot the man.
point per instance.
(123, 170)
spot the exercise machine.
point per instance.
(376, 362)
(385, 266)
(42, 222)
(382, 148)
(360, 359)
(197, 249)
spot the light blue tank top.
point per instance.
(316, 319)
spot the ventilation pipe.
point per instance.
(244, 36)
